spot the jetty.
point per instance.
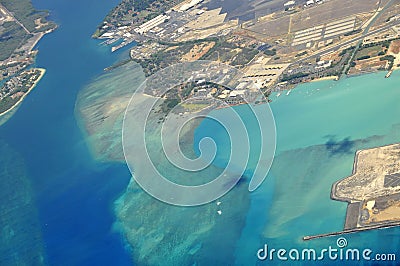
(353, 230)
(372, 191)
(389, 73)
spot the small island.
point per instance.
(21, 28)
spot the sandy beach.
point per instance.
(325, 78)
(42, 72)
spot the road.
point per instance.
(15, 19)
(338, 46)
(360, 38)
(377, 14)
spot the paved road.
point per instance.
(365, 34)
(336, 47)
(16, 20)
(377, 14)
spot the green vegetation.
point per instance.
(389, 58)
(12, 36)
(222, 51)
(197, 41)
(136, 11)
(389, 18)
(244, 57)
(353, 32)
(383, 44)
(294, 76)
(10, 100)
(163, 59)
(364, 57)
(231, 53)
(377, 49)
(194, 107)
(7, 103)
(270, 52)
(169, 104)
(301, 54)
(369, 51)
(23, 11)
(386, 44)
(345, 51)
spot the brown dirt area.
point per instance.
(391, 213)
(395, 47)
(197, 51)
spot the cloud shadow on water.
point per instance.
(338, 147)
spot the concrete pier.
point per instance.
(353, 230)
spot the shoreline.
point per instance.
(350, 223)
(336, 78)
(42, 72)
(325, 78)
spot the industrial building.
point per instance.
(188, 6)
(145, 27)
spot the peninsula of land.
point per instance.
(21, 28)
(15, 90)
(372, 191)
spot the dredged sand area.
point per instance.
(374, 185)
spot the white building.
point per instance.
(310, 3)
(188, 6)
(289, 4)
(145, 27)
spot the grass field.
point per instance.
(191, 107)
(369, 51)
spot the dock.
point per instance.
(109, 41)
(389, 73)
(353, 230)
(121, 45)
(369, 192)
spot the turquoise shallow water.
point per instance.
(319, 128)
(355, 108)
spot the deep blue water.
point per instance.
(74, 194)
